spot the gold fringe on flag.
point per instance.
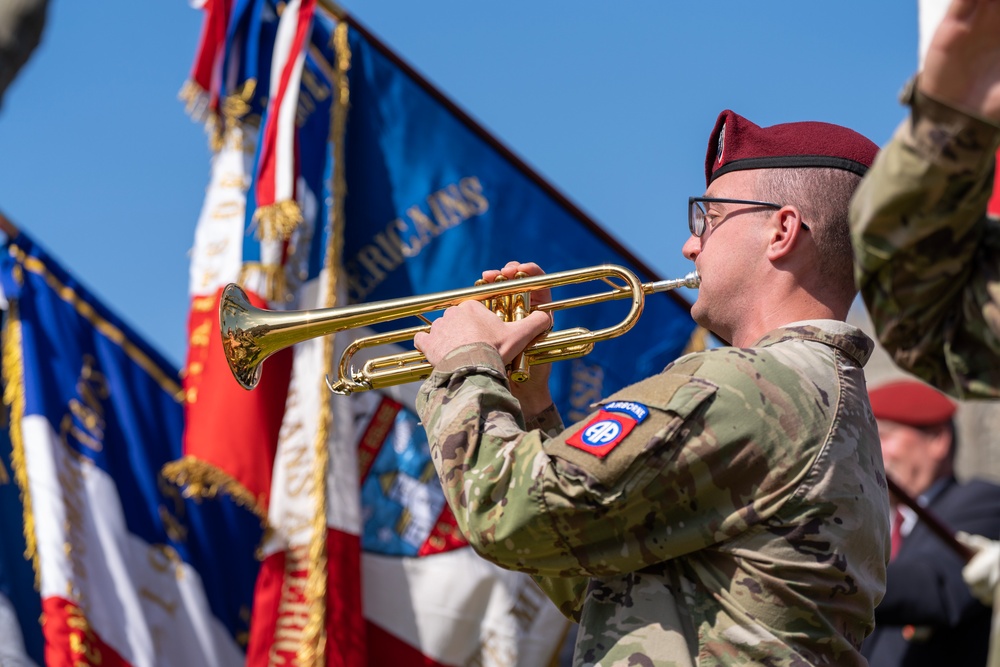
(277, 221)
(275, 282)
(13, 397)
(313, 649)
(198, 479)
(236, 114)
(196, 100)
(197, 105)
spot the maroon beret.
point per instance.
(736, 144)
(912, 403)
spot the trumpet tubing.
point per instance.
(250, 334)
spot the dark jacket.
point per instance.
(928, 616)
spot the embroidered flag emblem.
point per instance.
(608, 427)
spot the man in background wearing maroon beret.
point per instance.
(730, 510)
(928, 615)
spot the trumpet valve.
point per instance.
(342, 387)
(489, 303)
(520, 307)
(501, 304)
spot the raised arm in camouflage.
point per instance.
(927, 254)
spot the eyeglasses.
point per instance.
(698, 213)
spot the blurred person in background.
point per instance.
(929, 616)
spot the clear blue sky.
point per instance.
(611, 102)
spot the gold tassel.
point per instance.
(277, 221)
(235, 110)
(236, 106)
(196, 104)
(199, 479)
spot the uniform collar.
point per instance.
(845, 337)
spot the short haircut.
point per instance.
(823, 195)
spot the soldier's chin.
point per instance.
(699, 313)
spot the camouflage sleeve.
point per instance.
(684, 477)
(927, 257)
(547, 421)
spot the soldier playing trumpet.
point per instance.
(731, 509)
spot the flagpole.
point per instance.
(943, 532)
(8, 227)
(338, 12)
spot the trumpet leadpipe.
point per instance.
(691, 280)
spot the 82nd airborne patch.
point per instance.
(609, 427)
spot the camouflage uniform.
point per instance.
(744, 521)
(927, 257)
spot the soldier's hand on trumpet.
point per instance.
(533, 394)
(472, 322)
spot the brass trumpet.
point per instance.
(250, 334)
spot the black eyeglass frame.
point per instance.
(696, 201)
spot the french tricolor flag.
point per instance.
(129, 571)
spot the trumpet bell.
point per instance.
(241, 339)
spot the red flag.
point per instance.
(230, 434)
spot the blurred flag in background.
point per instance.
(393, 191)
(288, 524)
(125, 569)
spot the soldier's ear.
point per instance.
(784, 228)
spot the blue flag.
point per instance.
(433, 200)
(124, 563)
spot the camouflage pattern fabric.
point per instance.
(744, 521)
(927, 257)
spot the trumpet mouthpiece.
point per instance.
(691, 280)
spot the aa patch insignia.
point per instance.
(609, 427)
